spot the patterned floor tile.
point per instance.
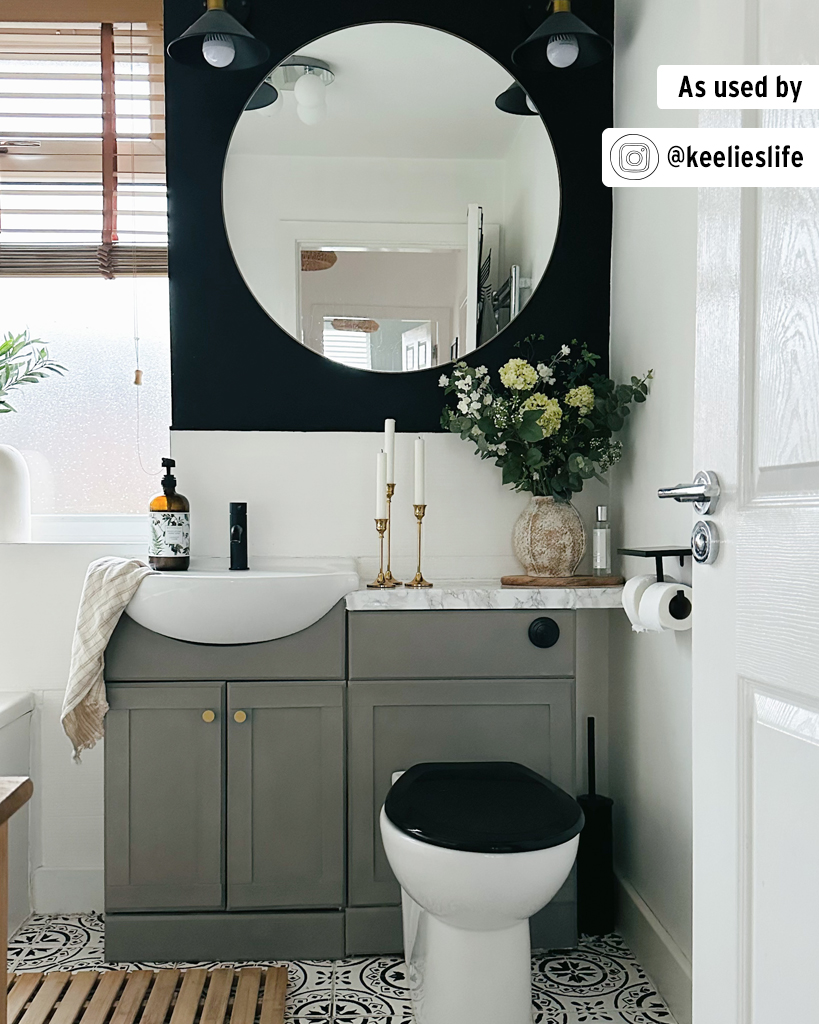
(307, 1005)
(372, 987)
(547, 1009)
(402, 1018)
(599, 982)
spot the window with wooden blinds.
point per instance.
(82, 150)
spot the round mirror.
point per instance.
(381, 207)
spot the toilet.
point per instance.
(478, 848)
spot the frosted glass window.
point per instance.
(92, 439)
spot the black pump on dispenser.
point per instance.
(168, 480)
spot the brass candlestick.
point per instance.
(388, 576)
(380, 581)
(419, 580)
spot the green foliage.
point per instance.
(23, 360)
(550, 436)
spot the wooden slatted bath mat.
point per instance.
(250, 995)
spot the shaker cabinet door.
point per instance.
(394, 725)
(164, 746)
(285, 795)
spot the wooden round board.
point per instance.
(562, 581)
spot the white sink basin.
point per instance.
(216, 606)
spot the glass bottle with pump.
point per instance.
(170, 548)
(601, 543)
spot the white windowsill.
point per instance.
(89, 529)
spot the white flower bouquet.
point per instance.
(549, 426)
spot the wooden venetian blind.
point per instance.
(82, 149)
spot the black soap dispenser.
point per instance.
(238, 535)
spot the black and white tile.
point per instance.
(599, 982)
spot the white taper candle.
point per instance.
(381, 486)
(419, 498)
(389, 448)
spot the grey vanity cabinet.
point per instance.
(164, 818)
(285, 795)
(395, 724)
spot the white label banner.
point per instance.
(711, 158)
(737, 86)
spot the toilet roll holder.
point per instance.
(658, 554)
(680, 606)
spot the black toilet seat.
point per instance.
(482, 807)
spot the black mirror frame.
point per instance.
(233, 368)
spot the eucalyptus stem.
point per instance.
(23, 360)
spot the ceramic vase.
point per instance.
(15, 497)
(549, 538)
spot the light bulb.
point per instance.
(309, 91)
(311, 115)
(218, 50)
(562, 51)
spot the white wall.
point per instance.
(38, 608)
(265, 196)
(314, 495)
(653, 309)
(531, 202)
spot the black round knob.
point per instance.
(544, 632)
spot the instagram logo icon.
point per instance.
(634, 156)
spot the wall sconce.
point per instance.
(218, 40)
(562, 41)
(515, 100)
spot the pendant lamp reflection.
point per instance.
(218, 40)
(515, 100)
(264, 96)
(562, 41)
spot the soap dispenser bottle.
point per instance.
(170, 549)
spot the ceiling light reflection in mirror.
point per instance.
(385, 212)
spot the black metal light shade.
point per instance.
(248, 50)
(513, 101)
(531, 55)
(265, 96)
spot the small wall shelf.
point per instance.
(658, 554)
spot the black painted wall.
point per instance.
(233, 367)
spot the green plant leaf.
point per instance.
(529, 429)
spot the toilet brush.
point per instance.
(596, 887)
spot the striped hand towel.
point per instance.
(110, 583)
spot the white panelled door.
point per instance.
(756, 632)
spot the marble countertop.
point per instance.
(452, 595)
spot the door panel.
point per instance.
(285, 795)
(393, 725)
(163, 797)
(755, 641)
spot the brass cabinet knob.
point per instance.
(208, 716)
(240, 716)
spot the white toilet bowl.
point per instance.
(466, 911)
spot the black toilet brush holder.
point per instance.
(596, 885)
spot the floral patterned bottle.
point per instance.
(170, 549)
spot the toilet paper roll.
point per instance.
(666, 605)
(632, 594)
